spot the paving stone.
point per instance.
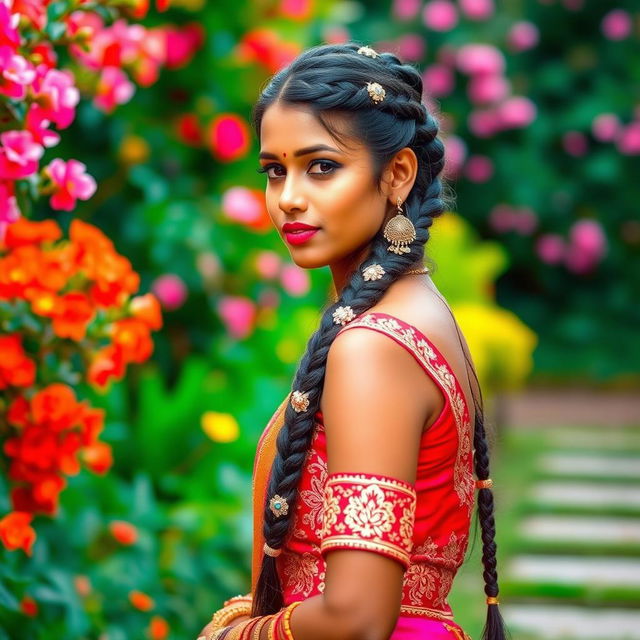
(564, 623)
(587, 494)
(591, 465)
(581, 529)
(576, 570)
(622, 440)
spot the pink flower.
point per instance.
(9, 27)
(268, 264)
(114, 88)
(480, 59)
(477, 9)
(454, 157)
(438, 80)
(587, 246)
(296, 9)
(504, 218)
(628, 140)
(406, 9)
(440, 15)
(336, 34)
(228, 136)
(573, 5)
(550, 247)
(411, 47)
(523, 35)
(9, 211)
(575, 143)
(295, 280)
(71, 183)
(616, 25)
(182, 43)
(479, 168)
(19, 154)
(57, 95)
(170, 290)
(242, 205)
(485, 123)
(37, 124)
(238, 315)
(17, 73)
(605, 127)
(486, 88)
(517, 112)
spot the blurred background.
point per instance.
(151, 320)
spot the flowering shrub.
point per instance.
(68, 317)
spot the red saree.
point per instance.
(445, 499)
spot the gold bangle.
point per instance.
(492, 600)
(484, 484)
(222, 617)
(286, 620)
(246, 598)
(270, 551)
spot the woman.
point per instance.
(363, 479)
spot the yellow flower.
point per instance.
(220, 427)
(133, 150)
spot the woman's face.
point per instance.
(329, 190)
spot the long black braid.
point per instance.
(332, 79)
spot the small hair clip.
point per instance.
(484, 484)
(376, 91)
(342, 315)
(369, 52)
(300, 401)
(279, 506)
(373, 272)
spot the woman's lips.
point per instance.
(296, 233)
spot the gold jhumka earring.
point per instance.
(400, 232)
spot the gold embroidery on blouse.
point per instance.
(343, 542)
(420, 582)
(462, 477)
(313, 497)
(427, 612)
(300, 571)
(459, 634)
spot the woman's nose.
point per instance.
(291, 197)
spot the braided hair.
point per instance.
(332, 79)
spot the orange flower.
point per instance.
(82, 585)
(19, 412)
(141, 600)
(56, 406)
(158, 628)
(92, 423)
(29, 606)
(44, 303)
(124, 532)
(77, 312)
(24, 231)
(16, 532)
(146, 308)
(133, 339)
(16, 369)
(107, 363)
(97, 457)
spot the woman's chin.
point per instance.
(306, 260)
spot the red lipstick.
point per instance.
(296, 233)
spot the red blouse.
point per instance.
(444, 493)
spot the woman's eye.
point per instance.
(323, 164)
(273, 171)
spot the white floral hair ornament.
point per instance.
(376, 91)
(369, 52)
(373, 272)
(342, 315)
(300, 401)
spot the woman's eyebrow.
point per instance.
(266, 155)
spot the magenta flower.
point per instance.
(475, 59)
(170, 290)
(17, 73)
(606, 127)
(523, 35)
(9, 211)
(438, 80)
(517, 112)
(587, 246)
(295, 280)
(505, 218)
(483, 89)
(242, 205)
(484, 123)
(479, 168)
(454, 157)
(268, 264)
(238, 315)
(551, 248)
(19, 154)
(114, 88)
(477, 9)
(411, 47)
(616, 25)
(440, 15)
(9, 35)
(575, 143)
(406, 9)
(628, 140)
(38, 124)
(71, 183)
(57, 95)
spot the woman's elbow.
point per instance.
(363, 625)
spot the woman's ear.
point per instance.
(400, 174)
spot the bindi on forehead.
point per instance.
(284, 154)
